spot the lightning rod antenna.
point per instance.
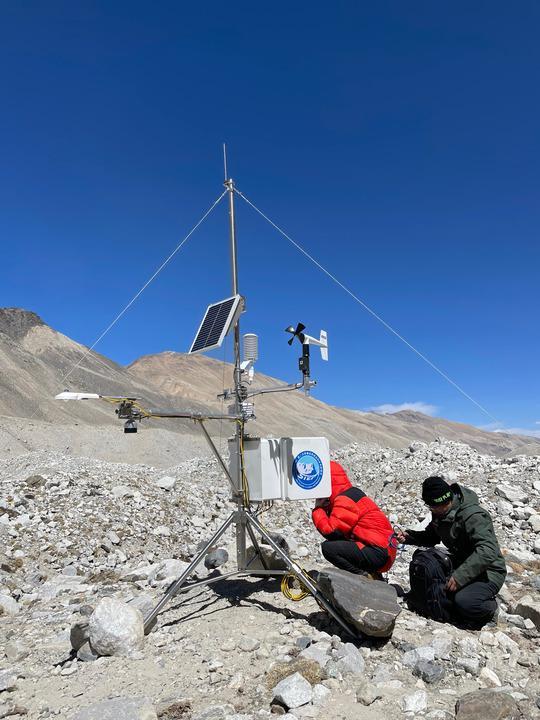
(225, 162)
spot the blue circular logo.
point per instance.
(307, 470)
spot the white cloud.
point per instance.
(519, 431)
(499, 428)
(390, 408)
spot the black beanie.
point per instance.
(436, 491)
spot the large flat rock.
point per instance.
(487, 705)
(369, 605)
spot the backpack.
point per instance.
(428, 573)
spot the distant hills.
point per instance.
(34, 358)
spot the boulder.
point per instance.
(125, 708)
(511, 493)
(415, 703)
(412, 657)
(292, 692)
(320, 694)
(487, 705)
(8, 680)
(429, 671)
(214, 712)
(170, 569)
(369, 605)
(366, 694)
(115, 628)
(349, 660)
(166, 483)
(8, 605)
(271, 558)
(143, 572)
(319, 652)
(216, 558)
(529, 608)
(489, 677)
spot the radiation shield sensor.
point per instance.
(217, 322)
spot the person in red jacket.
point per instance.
(359, 536)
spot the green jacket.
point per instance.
(467, 531)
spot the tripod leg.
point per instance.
(256, 546)
(175, 587)
(301, 575)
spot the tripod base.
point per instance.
(243, 518)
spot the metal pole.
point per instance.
(229, 184)
(241, 521)
(217, 455)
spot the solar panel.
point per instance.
(217, 322)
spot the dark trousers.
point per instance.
(346, 554)
(475, 604)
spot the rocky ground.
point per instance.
(77, 531)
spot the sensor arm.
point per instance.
(306, 384)
(131, 408)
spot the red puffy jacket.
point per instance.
(355, 516)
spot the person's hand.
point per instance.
(452, 585)
(401, 535)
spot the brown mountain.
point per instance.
(292, 413)
(34, 360)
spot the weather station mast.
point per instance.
(260, 470)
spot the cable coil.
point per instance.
(290, 593)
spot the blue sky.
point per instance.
(397, 142)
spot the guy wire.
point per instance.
(366, 307)
(143, 288)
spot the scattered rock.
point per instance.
(319, 652)
(429, 671)
(415, 703)
(8, 606)
(512, 493)
(170, 570)
(272, 561)
(125, 708)
(216, 558)
(8, 680)
(412, 657)
(348, 659)
(166, 483)
(116, 628)
(215, 712)
(529, 608)
(489, 677)
(293, 691)
(248, 644)
(366, 694)
(320, 694)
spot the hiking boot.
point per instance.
(495, 619)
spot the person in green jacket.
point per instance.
(466, 528)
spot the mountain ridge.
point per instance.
(34, 359)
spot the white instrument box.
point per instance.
(285, 468)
